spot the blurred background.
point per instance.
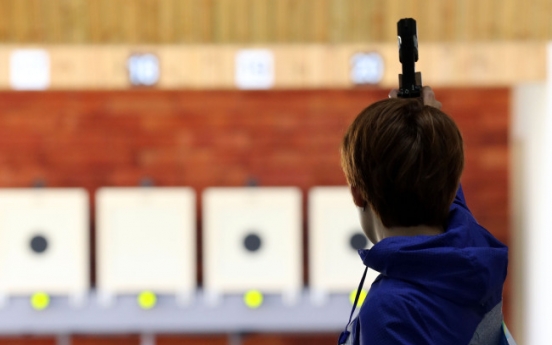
(202, 95)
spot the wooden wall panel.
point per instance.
(269, 21)
(314, 66)
(225, 138)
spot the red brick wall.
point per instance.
(28, 340)
(224, 138)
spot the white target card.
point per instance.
(335, 236)
(252, 239)
(44, 241)
(146, 240)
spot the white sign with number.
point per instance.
(254, 69)
(367, 68)
(143, 69)
(29, 69)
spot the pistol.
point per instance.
(410, 81)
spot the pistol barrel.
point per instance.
(409, 81)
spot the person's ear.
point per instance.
(357, 198)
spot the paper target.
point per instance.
(252, 239)
(44, 241)
(335, 236)
(146, 240)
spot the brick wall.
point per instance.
(226, 138)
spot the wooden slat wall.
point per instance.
(269, 21)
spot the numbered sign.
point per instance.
(44, 243)
(254, 69)
(146, 240)
(335, 236)
(29, 69)
(252, 239)
(143, 69)
(367, 68)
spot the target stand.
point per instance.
(44, 244)
(252, 242)
(146, 244)
(335, 236)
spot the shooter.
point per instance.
(441, 273)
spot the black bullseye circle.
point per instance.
(252, 242)
(358, 241)
(39, 244)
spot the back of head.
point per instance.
(405, 159)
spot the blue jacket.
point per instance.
(443, 289)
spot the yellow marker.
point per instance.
(361, 297)
(147, 300)
(40, 301)
(253, 299)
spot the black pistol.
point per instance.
(410, 81)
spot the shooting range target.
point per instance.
(252, 239)
(335, 236)
(146, 240)
(44, 241)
